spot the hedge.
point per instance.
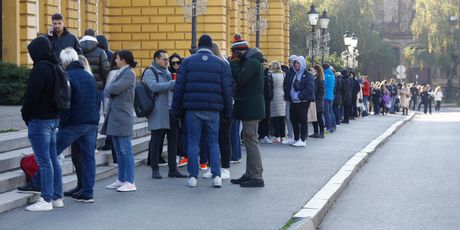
(13, 83)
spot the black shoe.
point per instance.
(314, 135)
(71, 192)
(240, 180)
(162, 162)
(81, 198)
(345, 122)
(321, 135)
(156, 174)
(176, 174)
(28, 188)
(253, 183)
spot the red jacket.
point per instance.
(366, 88)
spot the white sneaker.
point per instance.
(235, 162)
(266, 140)
(276, 140)
(225, 173)
(40, 205)
(217, 182)
(127, 187)
(59, 203)
(208, 174)
(115, 185)
(191, 182)
(299, 143)
(288, 141)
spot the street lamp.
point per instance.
(349, 56)
(191, 10)
(324, 20)
(313, 19)
(323, 24)
(347, 38)
(354, 41)
(259, 23)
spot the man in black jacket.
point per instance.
(346, 95)
(60, 37)
(337, 105)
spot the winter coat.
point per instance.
(405, 97)
(248, 75)
(161, 88)
(424, 97)
(393, 88)
(338, 91)
(104, 44)
(119, 120)
(329, 84)
(278, 105)
(438, 96)
(414, 92)
(203, 83)
(306, 83)
(355, 88)
(346, 88)
(319, 94)
(109, 81)
(376, 96)
(66, 40)
(39, 97)
(97, 59)
(287, 84)
(83, 98)
(366, 88)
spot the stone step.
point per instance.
(17, 140)
(12, 199)
(10, 160)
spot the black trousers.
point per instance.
(156, 144)
(298, 116)
(346, 112)
(108, 141)
(225, 143)
(320, 123)
(353, 109)
(264, 128)
(438, 106)
(279, 126)
(412, 103)
(77, 161)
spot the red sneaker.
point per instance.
(183, 161)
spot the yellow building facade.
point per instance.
(143, 26)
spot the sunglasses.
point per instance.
(175, 62)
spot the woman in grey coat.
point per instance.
(278, 104)
(119, 119)
(161, 122)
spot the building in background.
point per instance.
(142, 26)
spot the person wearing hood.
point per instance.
(249, 107)
(40, 113)
(161, 122)
(347, 84)
(203, 89)
(337, 104)
(100, 65)
(300, 94)
(60, 37)
(290, 139)
(104, 44)
(329, 86)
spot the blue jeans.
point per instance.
(236, 140)
(329, 115)
(393, 104)
(125, 158)
(83, 135)
(42, 136)
(198, 121)
(366, 103)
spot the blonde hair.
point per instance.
(276, 67)
(437, 89)
(216, 50)
(82, 59)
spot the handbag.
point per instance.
(143, 102)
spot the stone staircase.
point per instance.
(13, 146)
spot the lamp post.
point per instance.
(259, 23)
(349, 56)
(323, 24)
(191, 10)
(453, 21)
(313, 19)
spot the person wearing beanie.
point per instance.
(203, 89)
(249, 107)
(238, 44)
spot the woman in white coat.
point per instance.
(278, 104)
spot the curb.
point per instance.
(312, 213)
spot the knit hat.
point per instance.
(205, 42)
(238, 43)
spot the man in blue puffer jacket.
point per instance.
(329, 86)
(203, 89)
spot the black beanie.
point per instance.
(205, 42)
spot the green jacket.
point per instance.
(248, 76)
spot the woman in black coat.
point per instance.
(317, 71)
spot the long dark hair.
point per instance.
(113, 64)
(174, 55)
(128, 57)
(319, 72)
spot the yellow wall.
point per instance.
(143, 26)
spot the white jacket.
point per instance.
(438, 96)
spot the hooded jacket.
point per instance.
(83, 99)
(104, 44)
(329, 84)
(338, 91)
(97, 59)
(346, 88)
(289, 74)
(67, 39)
(39, 97)
(306, 93)
(248, 75)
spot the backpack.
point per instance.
(143, 102)
(62, 90)
(29, 165)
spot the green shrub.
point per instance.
(13, 83)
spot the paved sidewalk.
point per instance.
(410, 183)
(10, 118)
(292, 177)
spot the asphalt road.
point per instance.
(412, 182)
(292, 177)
